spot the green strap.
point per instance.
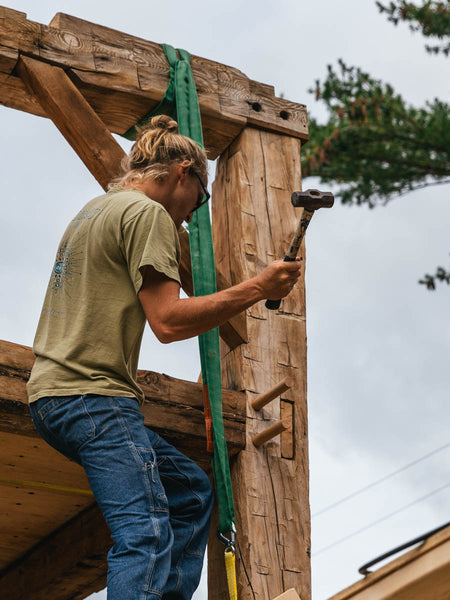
(181, 103)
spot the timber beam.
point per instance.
(173, 407)
(102, 155)
(123, 77)
(36, 480)
(69, 564)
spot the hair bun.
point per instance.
(164, 122)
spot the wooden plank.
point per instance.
(69, 564)
(86, 133)
(31, 513)
(126, 76)
(173, 407)
(35, 493)
(253, 221)
(423, 573)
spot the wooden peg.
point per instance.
(289, 595)
(271, 394)
(271, 432)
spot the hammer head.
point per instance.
(312, 199)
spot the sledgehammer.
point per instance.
(310, 200)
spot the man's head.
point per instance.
(159, 147)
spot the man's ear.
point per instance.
(185, 166)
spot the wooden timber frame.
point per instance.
(90, 81)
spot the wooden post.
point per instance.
(253, 221)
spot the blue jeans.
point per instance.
(156, 501)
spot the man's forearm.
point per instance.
(189, 317)
(173, 318)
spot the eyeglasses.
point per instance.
(206, 196)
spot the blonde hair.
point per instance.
(156, 149)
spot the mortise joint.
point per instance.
(256, 106)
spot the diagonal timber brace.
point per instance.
(97, 148)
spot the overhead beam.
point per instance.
(92, 141)
(69, 564)
(123, 77)
(173, 407)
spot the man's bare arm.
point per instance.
(173, 318)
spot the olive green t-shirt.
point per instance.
(90, 330)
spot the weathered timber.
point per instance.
(69, 564)
(123, 77)
(35, 480)
(102, 155)
(173, 407)
(253, 221)
(421, 574)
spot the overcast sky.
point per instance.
(378, 343)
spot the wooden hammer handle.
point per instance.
(293, 249)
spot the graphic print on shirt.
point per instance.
(85, 214)
(67, 267)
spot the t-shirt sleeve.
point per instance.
(151, 239)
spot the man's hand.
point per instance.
(278, 279)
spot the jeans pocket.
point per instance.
(65, 423)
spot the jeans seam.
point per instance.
(149, 495)
(94, 429)
(193, 535)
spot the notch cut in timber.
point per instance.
(276, 429)
(261, 401)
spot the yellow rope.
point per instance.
(47, 486)
(230, 566)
